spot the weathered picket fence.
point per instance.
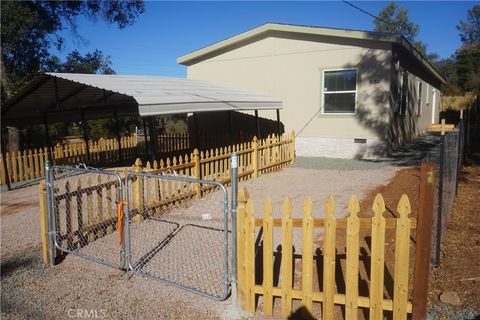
(249, 288)
(28, 164)
(254, 158)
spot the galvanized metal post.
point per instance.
(440, 195)
(233, 211)
(50, 214)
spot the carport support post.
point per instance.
(233, 210)
(117, 129)
(85, 136)
(278, 123)
(47, 136)
(257, 120)
(145, 137)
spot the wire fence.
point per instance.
(448, 157)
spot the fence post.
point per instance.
(50, 215)
(461, 130)
(423, 239)
(137, 192)
(42, 196)
(243, 197)
(440, 195)
(255, 157)
(197, 173)
(292, 146)
(233, 212)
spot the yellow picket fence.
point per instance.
(254, 158)
(352, 226)
(29, 164)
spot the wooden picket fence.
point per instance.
(249, 289)
(254, 158)
(29, 164)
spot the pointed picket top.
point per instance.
(267, 207)
(155, 164)
(287, 208)
(378, 206)
(186, 158)
(29, 152)
(180, 159)
(308, 207)
(175, 161)
(168, 162)
(202, 155)
(229, 149)
(211, 152)
(207, 154)
(216, 152)
(353, 206)
(243, 195)
(404, 207)
(162, 164)
(138, 162)
(148, 166)
(330, 207)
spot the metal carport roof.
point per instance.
(62, 97)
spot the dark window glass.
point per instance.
(339, 103)
(340, 80)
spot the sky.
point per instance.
(168, 30)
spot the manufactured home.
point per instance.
(345, 93)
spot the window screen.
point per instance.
(339, 91)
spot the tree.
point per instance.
(394, 19)
(30, 29)
(470, 29)
(94, 62)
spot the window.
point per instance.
(340, 91)
(419, 99)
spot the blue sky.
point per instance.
(168, 30)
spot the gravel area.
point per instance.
(31, 290)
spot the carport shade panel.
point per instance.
(131, 95)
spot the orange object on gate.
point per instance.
(120, 222)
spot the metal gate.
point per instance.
(83, 213)
(175, 236)
(174, 229)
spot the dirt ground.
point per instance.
(33, 290)
(459, 269)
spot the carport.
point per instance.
(65, 97)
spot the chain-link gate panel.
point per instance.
(84, 206)
(177, 228)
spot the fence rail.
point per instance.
(249, 286)
(254, 158)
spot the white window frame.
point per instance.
(419, 105)
(347, 91)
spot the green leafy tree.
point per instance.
(468, 55)
(92, 62)
(394, 19)
(30, 29)
(470, 29)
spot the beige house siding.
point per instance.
(404, 127)
(291, 65)
(292, 69)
